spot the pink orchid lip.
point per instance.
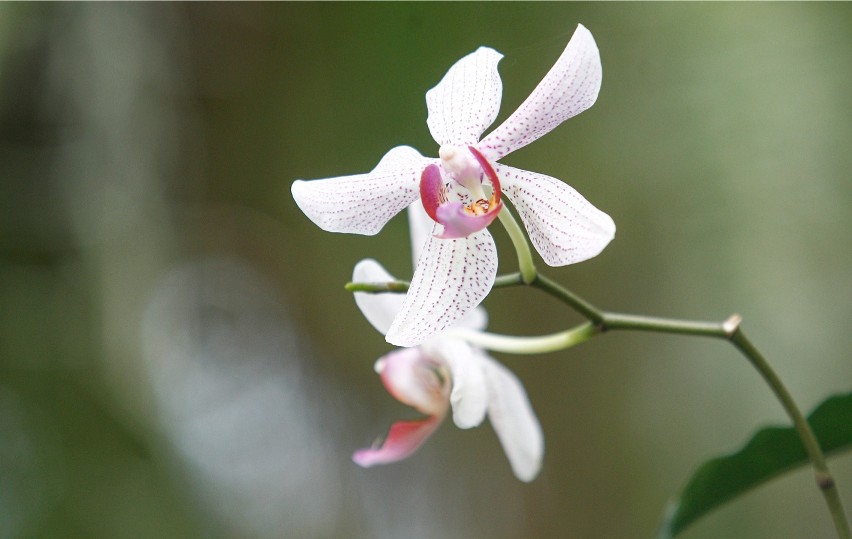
(459, 220)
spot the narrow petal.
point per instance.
(378, 309)
(570, 87)
(513, 420)
(563, 226)
(420, 226)
(416, 380)
(404, 438)
(452, 277)
(363, 203)
(467, 99)
(469, 396)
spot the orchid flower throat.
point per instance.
(474, 209)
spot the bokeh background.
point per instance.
(178, 357)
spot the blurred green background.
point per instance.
(178, 357)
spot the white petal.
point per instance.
(469, 394)
(363, 203)
(563, 226)
(476, 319)
(378, 309)
(452, 277)
(466, 100)
(420, 226)
(513, 420)
(570, 87)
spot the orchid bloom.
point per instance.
(447, 373)
(462, 190)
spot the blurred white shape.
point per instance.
(235, 403)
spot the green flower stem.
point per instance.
(526, 266)
(731, 331)
(399, 287)
(526, 345)
(824, 479)
(662, 325)
(592, 313)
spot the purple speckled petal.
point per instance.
(467, 99)
(563, 226)
(363, 203)
(452, 277)
(570, 87)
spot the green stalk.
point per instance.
(822, 475)
(526, 266)
(526, 345)
(728, 330)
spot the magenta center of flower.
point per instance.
(452, 192)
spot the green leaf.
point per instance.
(770, 452)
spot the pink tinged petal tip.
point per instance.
(414, 379)
(363, 203)
(570, 87)
(452, 277)
(404, 438)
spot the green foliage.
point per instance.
(769, 453)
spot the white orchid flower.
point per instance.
(444, 374)
(462, 190)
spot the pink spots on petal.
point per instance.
(466, 100)
(363, 203)
(570, 87)
(452, 277)
(564, 227)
